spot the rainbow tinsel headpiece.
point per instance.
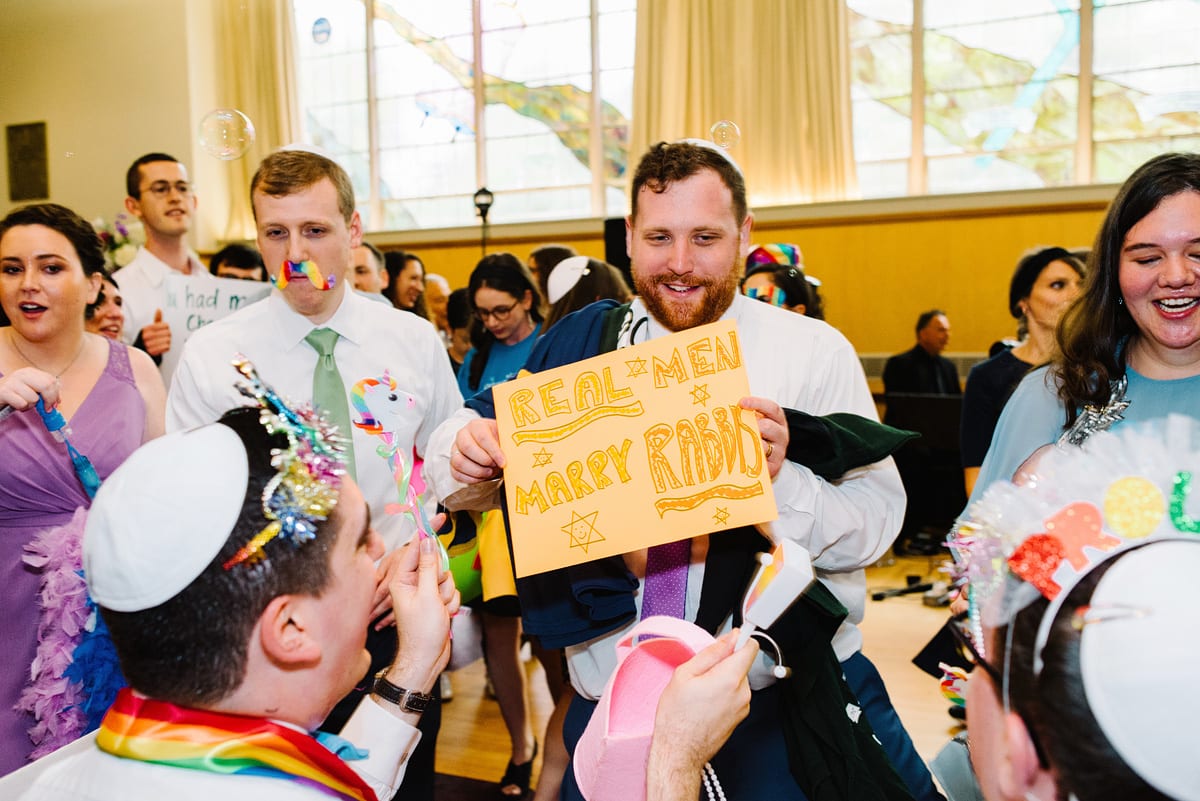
(305, 490)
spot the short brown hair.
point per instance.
(675, 161)
(193, 649)
(133, 176)
(285, 172)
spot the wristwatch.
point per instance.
(408, 700)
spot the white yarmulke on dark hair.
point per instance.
(713, 146)
(1123, 500)
(565, 276)
(1138, 654)
(163, 516)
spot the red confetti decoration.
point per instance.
(1036, 559)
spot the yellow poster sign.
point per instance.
(632, 448)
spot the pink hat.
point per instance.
(611, 756)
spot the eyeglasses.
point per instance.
(162, 190)
(501, 313)
(960, 628)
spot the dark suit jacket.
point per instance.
(915, 371)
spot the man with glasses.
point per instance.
(160, 195)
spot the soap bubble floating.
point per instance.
(226, 133)
(725, 134)
(321, 30)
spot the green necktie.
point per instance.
(329, 391)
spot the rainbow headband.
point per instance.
(165, 734)
(305, 490)
(303, 269)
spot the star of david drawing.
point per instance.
(582, 530)
(636, 367)
(542, 458)
(700, 395)
(721, 516)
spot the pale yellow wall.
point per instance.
(112, 79)
(878, 274)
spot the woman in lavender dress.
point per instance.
(112, 399)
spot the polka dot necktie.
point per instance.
(664, 591)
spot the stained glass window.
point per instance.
(529, 129)
(999, 103)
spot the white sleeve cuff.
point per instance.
(390, 740)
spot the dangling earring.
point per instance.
(1120, 300)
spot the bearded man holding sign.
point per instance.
(809, 736)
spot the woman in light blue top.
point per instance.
(507, 309)
(1130, 344)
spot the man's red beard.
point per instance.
(687, 312)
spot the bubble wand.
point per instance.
(56, 424)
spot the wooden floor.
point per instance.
(473, 741)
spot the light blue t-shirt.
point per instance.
(504, 362)
(1034, 416)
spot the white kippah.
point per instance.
(565, 276)
(713, 146)
(163, 516)
(1138, 655)
(304, 147)
(1123, 500)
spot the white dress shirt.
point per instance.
(143, 293)
(800, 363)
(372, 338)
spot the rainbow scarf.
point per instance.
(165, 734)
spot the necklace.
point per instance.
(12, 339)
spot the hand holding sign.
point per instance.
(636, 447)
(156, 337)
(772, 425)
(476, 454)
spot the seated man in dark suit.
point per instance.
(927, 465)
(923, 369)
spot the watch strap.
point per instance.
(408, 700)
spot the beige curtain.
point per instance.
(258, 74)
(779, 69)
